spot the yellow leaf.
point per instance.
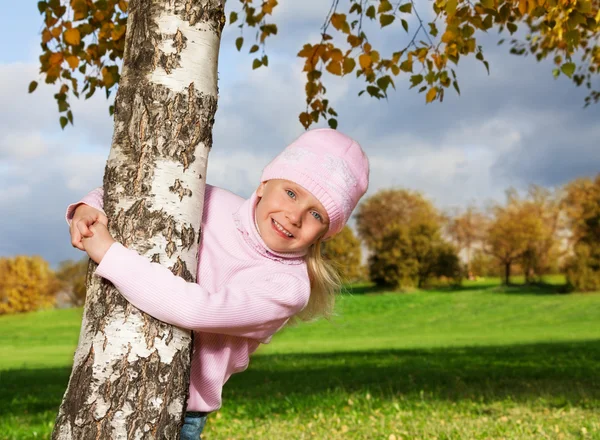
(448, 37)
(72, 37)
(73, 61)
(335, 68)
(55, 59)
(522, 6)
(46, 36)
(365, 61)
(338, 20)
(431, 94)
(123, 5)
(56, 31)
(451, 7)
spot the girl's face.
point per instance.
(289, 217)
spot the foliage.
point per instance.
(466, 230)
(583, 212)
(26, 284)
(72, 275)
(410, 256)
(392, 262)
(344, 252)
(83, 40)
(393, 206)
(524, 230)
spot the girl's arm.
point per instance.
(254, 310)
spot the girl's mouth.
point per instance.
(281, 230)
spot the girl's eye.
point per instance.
(317, 215)
(291, 193)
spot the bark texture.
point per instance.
(131, 372)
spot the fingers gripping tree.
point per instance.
(130, 374)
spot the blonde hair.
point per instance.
(325, 283)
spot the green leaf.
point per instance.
(373, 91)
(238, 43)
(256, 63)
(455, 84)
(349, 65)
(512, 28)
(32, 86)
(70, 116)
(555, 73)
(568, 69)
(489, 4)
(63, 122)
(415, 80)
(386, 19)
(233, 17)
(404, 24)
(42, 6)
(384, 6)
(371, 12)
(332, 123)
(265, 60)
(406, 8)
(254, 48)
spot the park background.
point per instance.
(483, 361)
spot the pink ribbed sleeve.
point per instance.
(250, 309)
(94, 198)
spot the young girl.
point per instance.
(259, 260)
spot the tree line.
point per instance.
(410, 244)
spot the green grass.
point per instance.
(482, 362)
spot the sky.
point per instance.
(514, 127)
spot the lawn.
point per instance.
(482, 362)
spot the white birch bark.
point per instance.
(131, 372)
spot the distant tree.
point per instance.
(392, 262)
(26, 284)
(389, 207)
(72, 276)
(410, 256)
(345, 253)
(543, 252)
(466, 230)
(583, 212)
(510, 231)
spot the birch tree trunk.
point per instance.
(131, 372)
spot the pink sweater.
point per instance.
(245, 292)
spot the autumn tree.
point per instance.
(345, 253)
(26, 284)
(543, 253)
(402, 229)
(523, 230)
(582, 204)
(84, 40)
(466, 230)
(72, 276)
(393, 206)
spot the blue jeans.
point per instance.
(193, 424)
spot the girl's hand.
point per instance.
(84, 217)
(98, 243)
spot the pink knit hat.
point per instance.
(331, 166)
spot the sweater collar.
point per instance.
(245, 222)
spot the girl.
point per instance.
(259, 260)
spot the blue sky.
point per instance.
(515, 127)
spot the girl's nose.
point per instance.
(295, 218)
